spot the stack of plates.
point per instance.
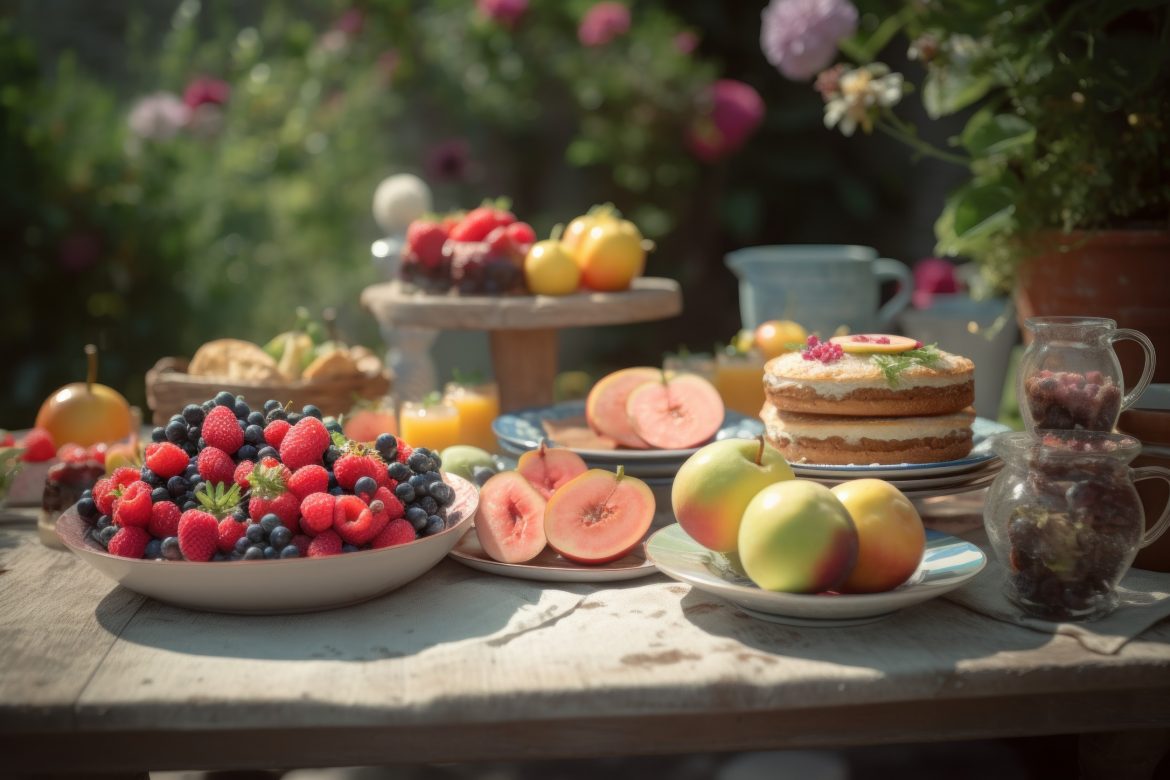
(923, 480)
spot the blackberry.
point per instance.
(256, 418)
(177, 485)
(242, 409)
(435, 524)
(159, 494)
(404, 492)
(248, 452)
(193, 414)
(267, 452)
(399, 472)
(242, 544)
(441, 492)
(87, 508)
(158, 435)
(429, 504)
(254, 533)
(280, 537)
(106, 534)
(224, 398)
(170, 549)
(176, 432)
(311, 410)
(271, 404)
(269, 523)
(365, 486)
(254, 554)
(290, 551)
(153, 550)
(387, 446)
(417, 516)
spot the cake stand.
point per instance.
(522, 329)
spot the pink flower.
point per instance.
(800, 37)
(505, 12)
(448, 160)
(932, 276)
(686, 42)
(602, 23)
(206, 90)
(158, 116)
(350, 23)
(736, 111)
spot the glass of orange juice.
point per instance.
(430, 423)
(739, 378)
(478, 405)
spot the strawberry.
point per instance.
(104, 495)
(355, 522)
(308, 480)
(324, 543)
(426, 239)
(317, 513)
(393, 507)
(501, 244)
(133, 507)
(240, 475)
(216, 466)
(274, 432)
(221, 429)
(351, 467)
(219, 500)
(129, 542)
(230, 530)
(305, 443)
(166, 459)
(198, 535)
(164, 519)
(398, 531)
(476, 225)
(38, 446)
(521, 233)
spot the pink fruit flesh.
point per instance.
(510, 518)
(605, 408)
(597, 518)
(681, 413)
(547, 468)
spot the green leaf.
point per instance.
(988, 134)
(948, 90)
(981, 210)
(893, 366)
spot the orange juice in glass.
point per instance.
(739, 378)
(477, 405)
(434, 425)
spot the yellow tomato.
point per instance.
(550, 270)
(611, 256)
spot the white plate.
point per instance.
(280, 586)
(550, 567)
(984, 474)
(947, 563)
(982, 430)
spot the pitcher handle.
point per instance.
(886, 269)
(1122, 334)
(1158, 528)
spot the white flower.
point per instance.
(861, 94)
(158, 117)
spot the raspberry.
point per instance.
(324, 543)
(308, 480)
(97, 452)
(350, 468)
(274, 432)
(393, 507)
(305, 443)
(104, 495)
(242, 472)
(164, 519)
(230, 530)
(38, 446)
(426, 239)
(355, 522)
(129, 542)
(521, 233)
(274, 465)
(222, 430)
(825, 351)
(198, 535)
(302, 542)
(134, 506)
(317, 513)
(398, 531)
(166, 459)
(216, 466)
(404, 451)
(124, 476)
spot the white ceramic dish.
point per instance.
(986, 472)
(280, 586)
(550, 567)
(947, 563)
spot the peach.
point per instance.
(676, 412)
(605, 408)
(598, 516)
(510, 518)
(86, 412)
(547, 468)
(891, 538)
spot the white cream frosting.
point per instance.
(860, 372)
(852, 430)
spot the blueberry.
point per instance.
(333, 425)
(419, 483)
(207, 406)
(441, 492)
(193, 414)
(191, 449)
(404, 492)
(280, 537)
(481, 474)
(247, 452)
(175, 418)
(176, 432)
(424, 451)
(189, 505)
(177, 486)
(254, 434)
(254, 533)
(433, 476)
(194, 433)
(243, 425)
(290, 551)
(365, 486)
(276, 414)
(336, 491)
(386, 445)
(242, 544)
(240, 515)
(87, 508)
(271, 552)
(158, 434)
(106, 534)
(196, 481)
(153, 549)
(434, 525)
(295, 417)
(419, 462)
(271, 404)
(437, 461)
(429, 504)
(201, 444)
(348, 548)
(256, 418)
(267, 452)
(269, 522)
(149, 477)
(224, 398)
(159, 494)
(254, 554)
(102, 522)
(399, 472)
(170, 549)
(331, 455)
(242, 409)
(191, 470)
(332, 480)
(311, 410)
(417, 517)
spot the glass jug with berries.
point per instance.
(1069, 377)
(1065, 519)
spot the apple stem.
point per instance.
(760, 451)
(543, 447)
(621, 473)
(557, 230)
(91, 356)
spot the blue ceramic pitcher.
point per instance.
(821, 286)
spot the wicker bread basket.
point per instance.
(169, 388)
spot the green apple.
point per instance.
(461, 459)
(714, 486)
(796, 537)
(890, 535)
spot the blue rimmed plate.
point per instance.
(947, 563)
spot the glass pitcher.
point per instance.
(1069, 377)
(1066, 521)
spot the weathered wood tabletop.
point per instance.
(461, 665)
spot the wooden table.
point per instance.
(522, 329)
(462, 666)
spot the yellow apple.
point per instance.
(890, 533)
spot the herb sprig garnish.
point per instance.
(893, 366)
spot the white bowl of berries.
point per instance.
(316, 522)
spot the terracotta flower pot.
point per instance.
(1120, 274)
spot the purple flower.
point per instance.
(800, 37)
(736, 110)
(505, 12)
(686, 42)
(448, 160)
(602, 23)
(158, 116)
(206, 90)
